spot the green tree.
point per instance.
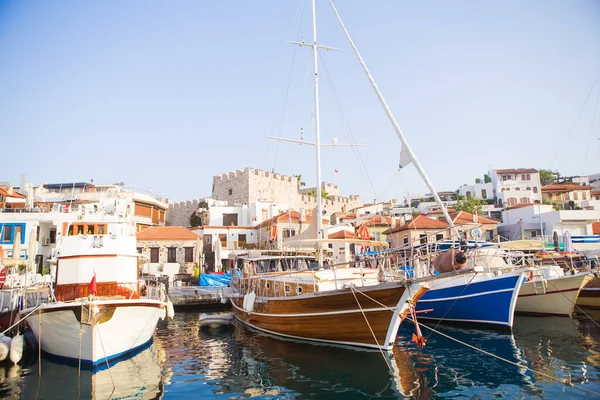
(313, 192)
(469, 205)
(477, 180)
(300, 182)
(195, 219)
(546, 176)
(487, 178)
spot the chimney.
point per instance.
(475, 216)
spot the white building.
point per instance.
(534, 221)
(51, 211)
(567, 196)
(516, 186)
(484, 191)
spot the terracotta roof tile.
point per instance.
(167, 233)
(517, 171)
(420, 222)
(463, 217)
(439, 211)
(563, 188)
(376, 220)
(343, 235)
(15, 194)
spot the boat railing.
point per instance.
(153, 290)
(385, 263)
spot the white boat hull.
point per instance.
(117, 327)
(556, 297)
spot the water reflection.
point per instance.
(324, 371)
(549, 346)
(186, 361)
(450, 368)
(139, 377)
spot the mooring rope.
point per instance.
(21, 319)
(106, 359)
(574, 303)
(564, 382)
(371, 329)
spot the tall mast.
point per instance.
(315, 48)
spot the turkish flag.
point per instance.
(93, 288)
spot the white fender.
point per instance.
(249, 301)
(16, 348)
(170, 309)
(4, 347)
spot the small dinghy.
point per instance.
(215, 320)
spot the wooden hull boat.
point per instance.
(365, 316)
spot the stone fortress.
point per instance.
(250, 185)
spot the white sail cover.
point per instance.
(405, 158)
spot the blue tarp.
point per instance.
(215, 279)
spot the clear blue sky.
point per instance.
(163, 95)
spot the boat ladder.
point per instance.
(540, 285)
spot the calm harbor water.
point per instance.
(188, 362)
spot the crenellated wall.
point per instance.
(250, 185)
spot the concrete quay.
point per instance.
(201, 297)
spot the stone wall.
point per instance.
(250, 185)
(180, 245)
(179, 214)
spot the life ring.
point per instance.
(530, 277)
(273, 233)
(363, 232)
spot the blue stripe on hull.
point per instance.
(487, 302)
(100, 364)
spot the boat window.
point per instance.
(7, 233)
(299, 289)
(288, 288)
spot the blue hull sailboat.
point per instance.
(473, 297)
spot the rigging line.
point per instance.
(298, 16)
(574, 303)
(302, 94)
(389, 185)
(587, 149)
(371, 329)
(357, 152)
(574, 125)
(105, 357)
(553, 378)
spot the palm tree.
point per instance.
(311, 191)
(300, 183)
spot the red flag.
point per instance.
(93, 287)
(336, 171)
